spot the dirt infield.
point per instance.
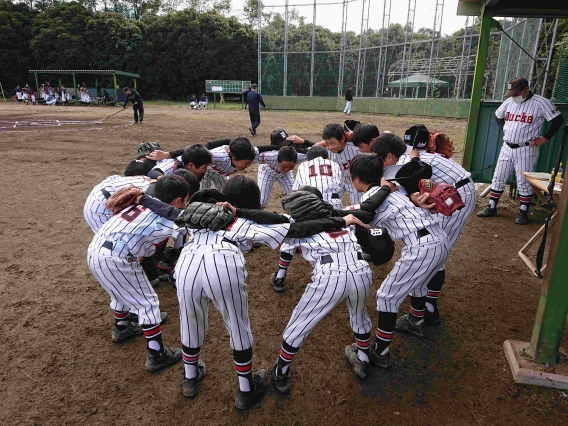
(59, 366)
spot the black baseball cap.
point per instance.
(417, 136)
(139, 167)
(349, 125)
(241, 149)
(278, 136)
(254, 86)
(515, 86)
(409, 174)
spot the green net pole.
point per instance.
(37, 86)
(214, 100)
(75, 88)
(115, 90)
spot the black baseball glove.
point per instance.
(205, 216)
(145, 148)
(303, 205)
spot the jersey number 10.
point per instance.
(324, 170)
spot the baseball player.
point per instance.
(253, 100)
(203, 101)
(348, 101)
(211, 267)
(342, 153)
(193, 102)
(195, 158)
(521, 117)
(425, 250)
(135, 99)
(444, 170)
(363, 135)
(113, 257)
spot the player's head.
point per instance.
(366, 170)
(317, 151)
(196, 159)
(126, 90)
(190, 178)
(388, 147)
(287, 158)
(363, 135)
(417, 136)
(254, 87)
(278, 136)
(173, 190)
(241, 152)
(351, 87)
(517, 88)
(243, 192)
(334, 137)
(313, 190)
(139, 167)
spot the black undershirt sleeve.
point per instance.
(500, 121)
(368, 208)
(555, 125)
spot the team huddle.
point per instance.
(191, 206)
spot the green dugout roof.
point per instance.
(94, 72)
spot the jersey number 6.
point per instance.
(132, 213)
(324, 170)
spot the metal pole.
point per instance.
(259, 18)
(499, 59)
(549, 58)
(457, 92)
(1, 88)
(285, 48)
(411, 31)
(386, 49)
(37, 84)
(477, 89)
(441, 20)
(518, 70)
(341, 48)
(312, 68)
(383, 29)
(509, 59)
(77, 94)
(365, 50)
(432, 49)
(535, 51)
(360, 47)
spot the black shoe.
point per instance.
(432, 318)
(487, 212)
(282, 383)
(190, 387)
(383, 361)
(129, 333)
(405, 323)
(278, 283)
(359, 368)
(522, 217)
(251, 131)
(168, 358)
(256, 244)
(246, 400)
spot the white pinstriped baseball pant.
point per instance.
(267, 177)
(522, 159)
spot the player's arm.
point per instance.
(159, 207)
(366, 210)
(217, 143)
(261, 101)
(555, 125)
(500, 121)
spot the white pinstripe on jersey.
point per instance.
(167, 166)
(269, 172)
(344, 159)
(323, 174)
(523, 122)
(94, 211)
(220, 169)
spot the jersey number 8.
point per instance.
(324, 170)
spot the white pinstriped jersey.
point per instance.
(241, 231)
(523, 122)
(221, 161)
(167, 166)
(134, 231)
(402, 218)
(270, 158)
(323, 174)
(444, 169)
(341, 242)
(344, 159)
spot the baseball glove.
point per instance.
(146, 148)
(205, 216)
(446, 197)
(123, 198)
(440, 143)
(303, 205)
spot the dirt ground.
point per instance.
(59, 366)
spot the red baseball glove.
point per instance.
(123, 198)
(446, 197)
(439, 143)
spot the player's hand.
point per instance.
(421, 200)
(228, 149)
(541, 140)
(138, 198)
(321, 143)
(414, 153)
(158, 155)
(352, 220)
(295, 139)
(391, 185)
(229, 206)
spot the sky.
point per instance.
(329, 16)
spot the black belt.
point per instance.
(105, 193)
(422, 232)
(515, 146)
(462, 182)
(129, 257)
(230, 242)
(326, 258)
(334, 196)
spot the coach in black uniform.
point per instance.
(137, 105)
(253, 100)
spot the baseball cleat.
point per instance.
(256, 244)
(522, 217)
(246, 400)
(278, 283)
(155, 282)
(383, 361)
(190, 387)
(251, 131)
(405, 323)
(487, 212)
(432, 318)
(163, 317)
(168, 358)
(282, 383)
(129, 333)
(359, 368)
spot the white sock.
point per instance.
(492, 204)
(244, 384)
(430, 307)
(190, 371)
(524, 207)
(281, 273)
(362, 356)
